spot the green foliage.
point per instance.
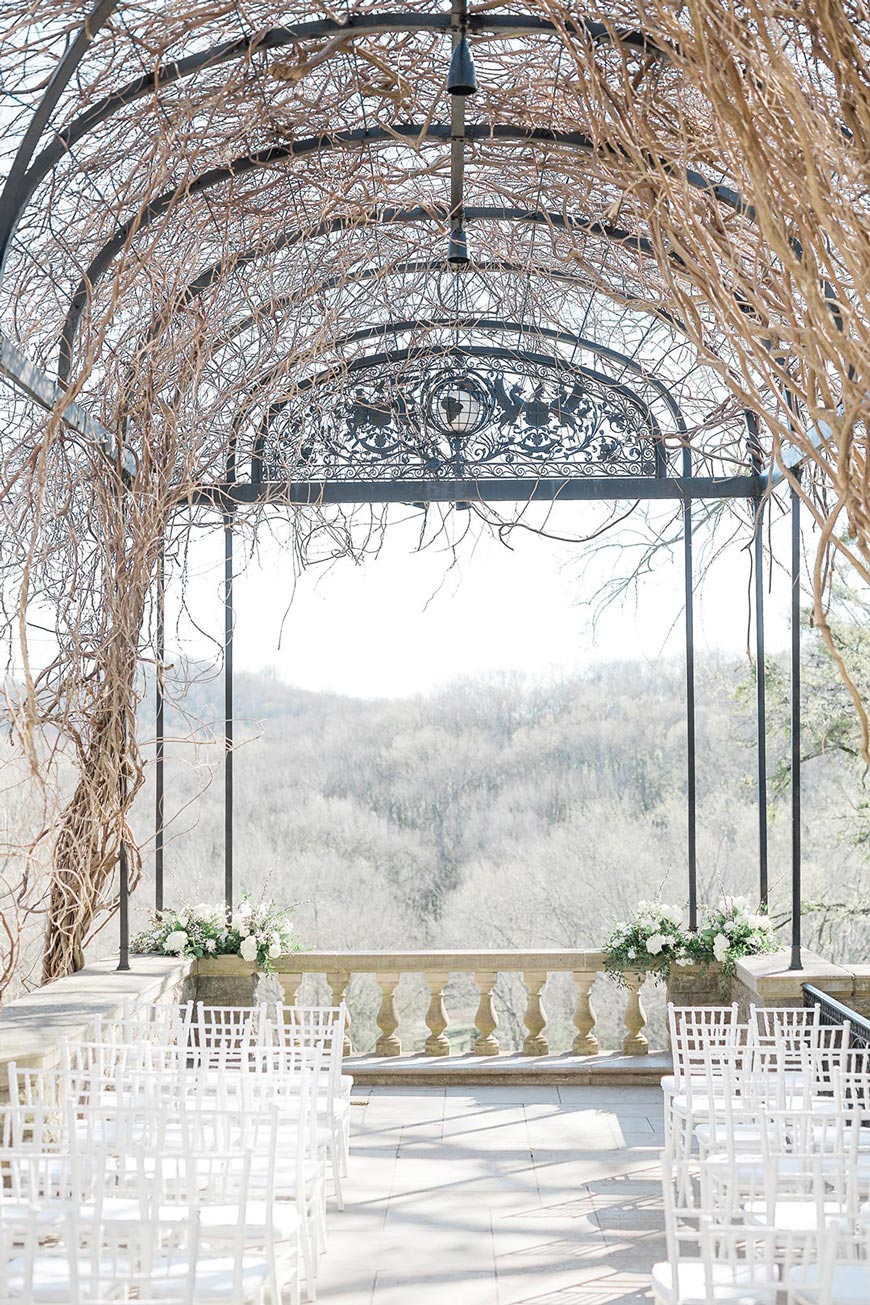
(656, 937)
(647, 943)
(729, 931)
(260, 932)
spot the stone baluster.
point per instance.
(338, 987)
(585, 1043)
(437, 1044)
(535, 1018)
(290, 984)
(486, 1020)
(634, 1044)
(388, 1044)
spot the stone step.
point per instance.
(609, 1068)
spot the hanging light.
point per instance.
(457, 248)
(461, 77)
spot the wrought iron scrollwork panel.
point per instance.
(461, 418)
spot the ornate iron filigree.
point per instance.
(510, 416)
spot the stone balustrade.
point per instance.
(485, 967)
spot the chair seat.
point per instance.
(50, 1279)
(221, 1220)
(850, 1284)
(701, 1103)
(214, 1279)
(745, 1137)
(792, 1214)
(730, 1284)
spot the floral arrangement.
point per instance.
(648, 942)
(260, 932)
(728, 931)
(655, 938)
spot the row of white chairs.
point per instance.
(181, 1155)
(766, 1167)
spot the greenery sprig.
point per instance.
(258, 932)
(655, 938)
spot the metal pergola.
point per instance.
(454, 482)
(754, 487)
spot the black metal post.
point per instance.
(124, 907)
(795, 963)
(160, 704)
(760, 706)
(228, 710)
(691, 796)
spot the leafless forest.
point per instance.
(505, 813)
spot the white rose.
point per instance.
(248, 949)
(205, 911)
(655, 944)
(175, 941)
(721, 944)
(275, 951)
(761, 922)
(729, 926)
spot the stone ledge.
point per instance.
(607, 1069)
(769, 981)
(33, 1028)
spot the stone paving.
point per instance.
(497, 1196)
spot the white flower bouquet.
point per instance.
(647, 943)
(257, 932)
(728, 931)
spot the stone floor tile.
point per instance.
(505, 1196)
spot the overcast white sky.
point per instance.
(404, 622)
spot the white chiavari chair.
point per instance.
(700, 1270)
(840, 1275)
(322, 1027)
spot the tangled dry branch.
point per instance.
(230, 201)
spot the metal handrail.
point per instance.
(835, 1012)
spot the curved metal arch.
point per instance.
(496, 324)
(381, 217)
(15, 183)
(551, 361)
(422, 135)
(436, 265)
(23, 182)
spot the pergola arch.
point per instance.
(421, 134)
(665, 156)
(27, 172)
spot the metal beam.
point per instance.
(629, 488)
(691, 767)
(160, 717)
(123, 908)
(31, 381)
(795, 963)
(228, 709)
(760, 706)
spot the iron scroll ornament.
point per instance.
(410, 420)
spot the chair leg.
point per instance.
(335, 1163)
